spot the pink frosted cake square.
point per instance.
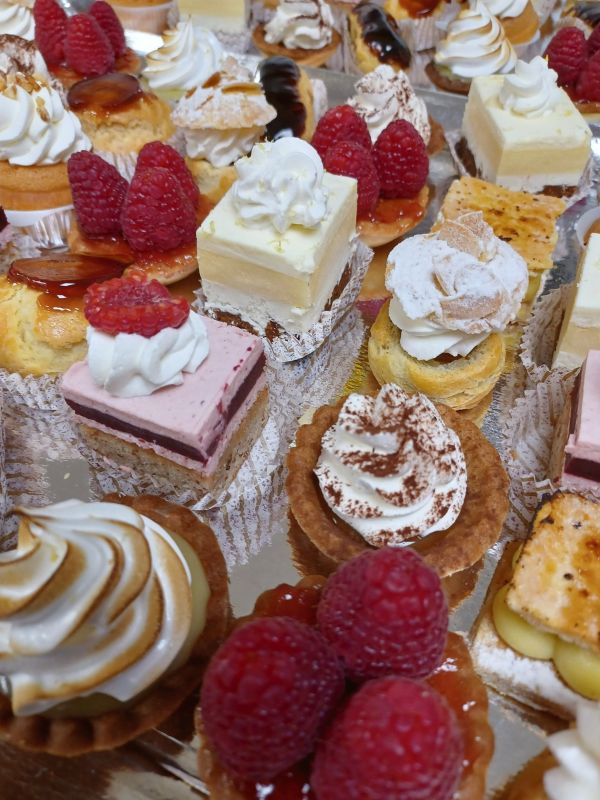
(206, 425)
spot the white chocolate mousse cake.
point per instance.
(523, 132)
(273, 252)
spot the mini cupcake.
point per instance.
(16, 18)
(419, 20)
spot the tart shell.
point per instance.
(307, 58)
(375, 234)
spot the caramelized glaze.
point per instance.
(280, 77)
(381, 35)
(419, 8)
(391, 210)
(63, 275)
(106, 93)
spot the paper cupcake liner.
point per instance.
(34, 392)
(150, 19)
(124, 163)
(47, 229)
(421, 34)
(19, 245)
(234, 42)
(541, 334)
(294, 346)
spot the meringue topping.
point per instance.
(303, 24)
(532, 90)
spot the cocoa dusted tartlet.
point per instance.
(396, 470)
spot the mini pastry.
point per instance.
(110, 610)
(580, 331)
(518, 18)
(475, 44)
(300, 29)
(119, 117)
(523, 132)
(453, 294)
(537, 636)
(419, 20)
(16, 18)
(376, 38)
(298, 100)
(164, 389)
(272, 259)
(188, 57)
(304, 630)
(341, 466)
(220, 122)
(227, 17)
(152, 16)
(42, 326)
(573, 58)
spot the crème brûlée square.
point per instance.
(225, 15)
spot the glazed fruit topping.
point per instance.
(108, 92)
(106, 17)
(50, 30)
(566, 54)
(267, 694)
(385, 613)
(157, 154)
(98, 194)
(397, 737)
(340, 124)
(88, 50)
(64, 275)
(299, 602)
(401, 160)
(133, 305)
(351, 159)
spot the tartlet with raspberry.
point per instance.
(576, 60)
(358, 690)
(391, 172)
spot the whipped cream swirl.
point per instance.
(578, 754)
(221, 148)
(303, 24)
(281, 184)
(95, 599)
(383, 96)
(188, 58)
(475, 44)
(391, 468)
(130, 365)
(532, 90)
(506, 9)
(35, 127)
(16, 18)
(452, 288)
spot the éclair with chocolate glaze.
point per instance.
(288, 90)
(376, 38)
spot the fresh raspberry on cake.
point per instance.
(266, 695)
(133, 305)
(340, 124)
(157, 214)
(98, 194)
(588, 83)
(397, 737)
(593, 42)
(352, 160)
(50, 30)
(158, 154)
(401, 159)
(385, 613)
(567, 54)
(88, 50)
(105, 16)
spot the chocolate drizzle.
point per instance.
(280, 78)
(382, 35)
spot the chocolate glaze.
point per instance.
(588, 11)
(175, 446)
(382, 35)
(105, 93)
(279, 77)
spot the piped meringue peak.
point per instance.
(531, 90)
(188, 58)
(391, 468)
(303, 24)
(577, 751)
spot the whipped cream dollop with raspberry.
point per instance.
(532, 90)
(280, 184)
(35, 127)
(95, 599)
(391, 468)
(303, 24)
(223, 119)
(188, 58)
(506, 9)
(577, 750)
(452, 288)
(16, 18)
(383, 96)
(131, 365)
(475, 44)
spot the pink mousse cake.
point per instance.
(206, 425)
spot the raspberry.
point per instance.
(50, 30)
(385, 613)
(157, 154)
(157, 215)
(105, 16)
(88, 50)
(566, 54)
(401, 159)
(395, 740)
(588, 83)
(98, 194)
(133, 305)
(593, 42)
(351, 159)
(266, 695)
(340, 124)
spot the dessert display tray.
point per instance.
(252, 525)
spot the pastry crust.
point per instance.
(529, 783)
(446, 82)
(34, 188)
(213, 182)
(462, 545)
(375, 234)
(307, 58)
(75, 736)
(461, 383)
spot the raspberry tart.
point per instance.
(574, 58)
(300, 738)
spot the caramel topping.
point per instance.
(243, 88)
(214, 80)
(63, 275)
(105, 93)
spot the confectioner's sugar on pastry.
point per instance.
(18, 54)
(303, 24)
(391, 468)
